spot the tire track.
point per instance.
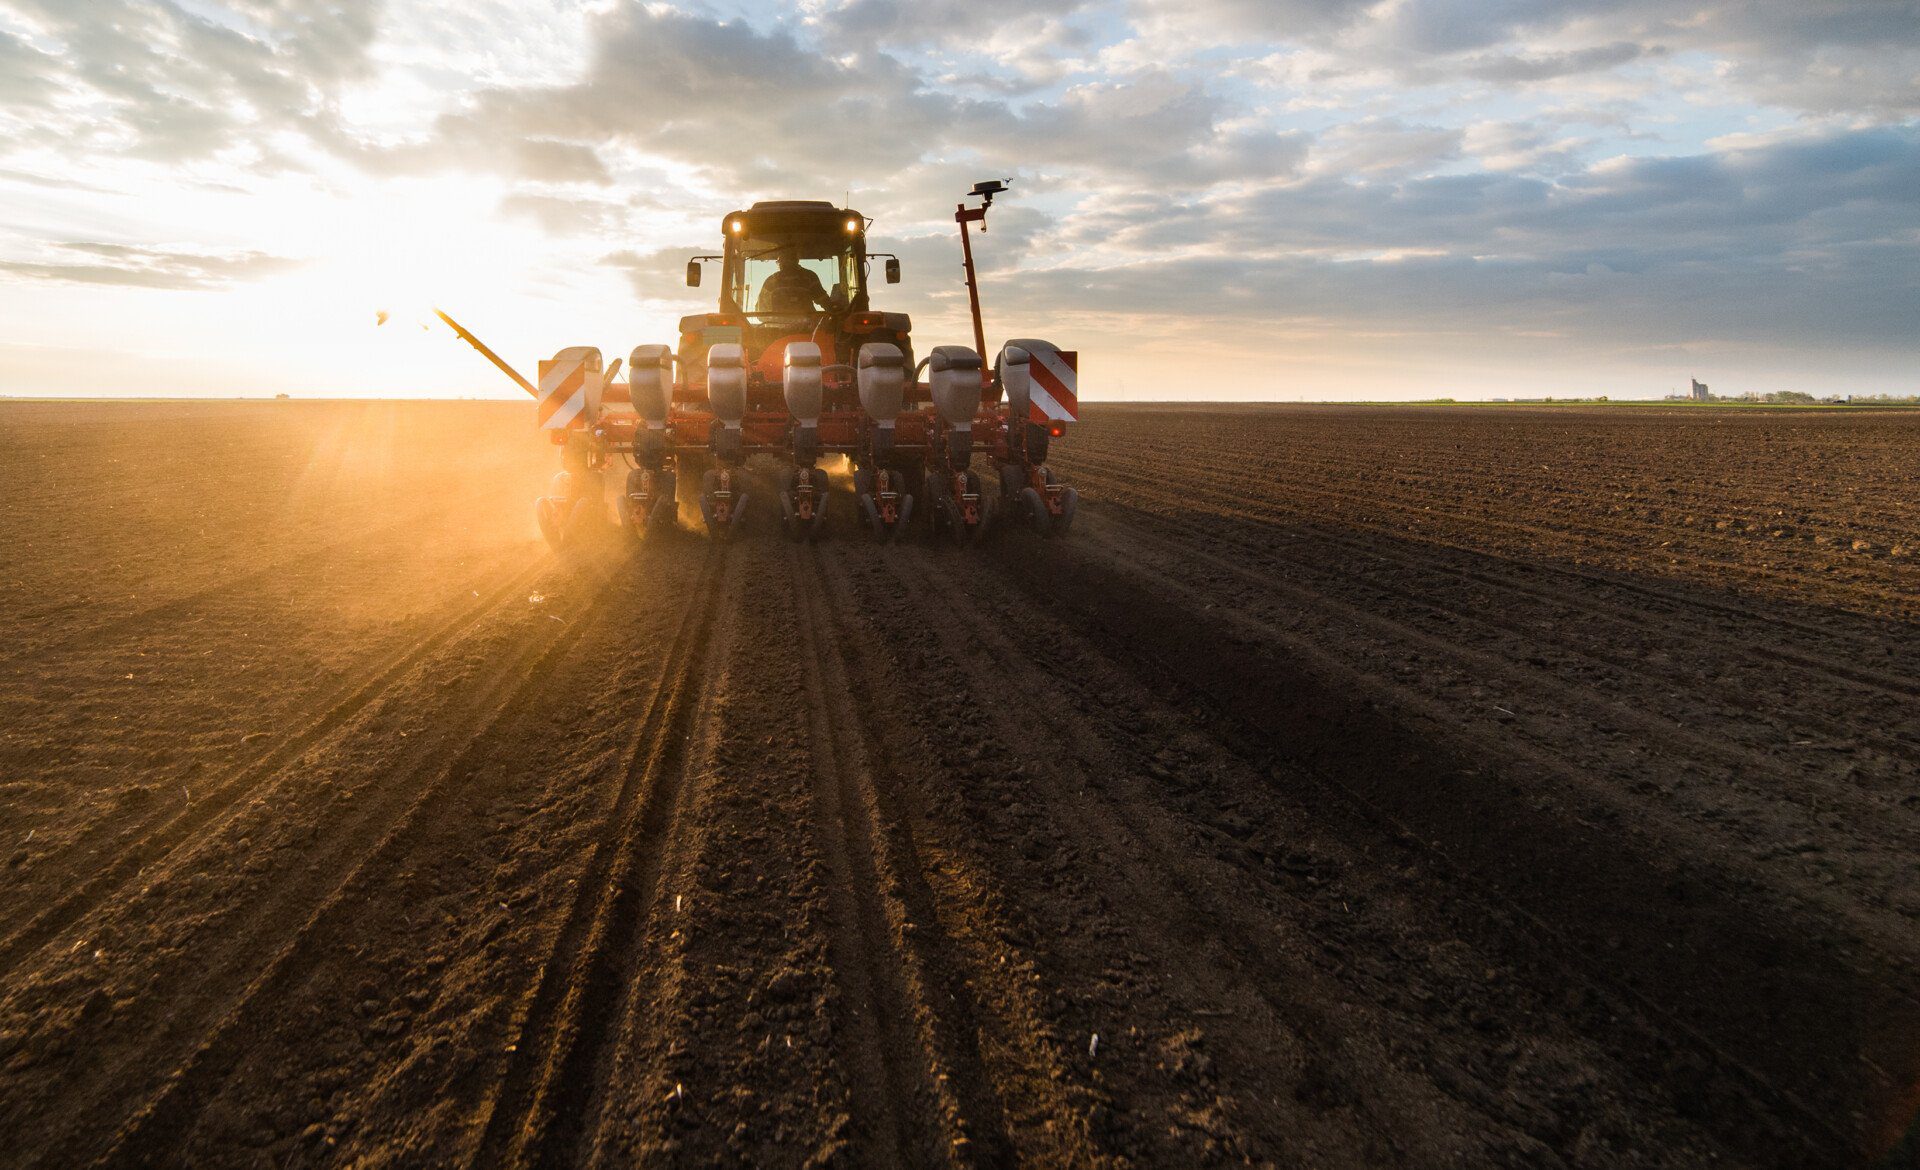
(1235, 498)
(1593, 520)
(214, 1043)
(1849, 679)
(1183, 903)
(1797, 804)
(161, 835)
(916, 1069)
(995, 1030)
(1585, 698)
(1597, 483)
(543, 1112)
(1442, 815)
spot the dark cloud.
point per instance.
(724, 97)
(660, 274)
(1866, 298)
(935, 21)
(1854, 186)
(1524, 67)
(1802, 242)
(1825, 56)
(138, 267)
(1151, 125)
(759, 110)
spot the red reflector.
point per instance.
(1056, 430)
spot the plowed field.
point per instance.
(1354, 787)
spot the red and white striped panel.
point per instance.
(1056, 385)
(564, 389)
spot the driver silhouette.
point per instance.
(791, 288)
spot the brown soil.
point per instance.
(1355, 787)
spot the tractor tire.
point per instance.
(717, 529)
(662, 510)
(1035, 509)
(912, 483)
(789, 505)
(820, 494)
(964, 533)
(666, 508)
(546, 513)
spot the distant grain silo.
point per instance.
(1700, 391)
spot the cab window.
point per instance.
(828, 259)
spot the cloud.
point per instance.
(1822, 56)
(1536, 147)
(902, 22)
(721, 96)
(760, 110)
(1232, 21)
(158, 81)
(138, 267)
(28, 76)
(52, 182)
(562, 216)
(1381, 147)
(1517, 68)
(1148, 125)
(659, 274)
(464, 142)
(1804, 241)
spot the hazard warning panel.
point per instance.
(1056, 385)
(565, 388)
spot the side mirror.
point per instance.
(693, 274)
(893, 270)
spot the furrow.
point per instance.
(399, 812)
(905, 1082)
(543, 1112)
(1004, 1052)
(1670, 958)
(163, 833)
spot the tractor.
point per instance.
(794, 365)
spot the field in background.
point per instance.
(1357, 785)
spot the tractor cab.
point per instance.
(793, 270)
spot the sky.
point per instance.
(1211, 199)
